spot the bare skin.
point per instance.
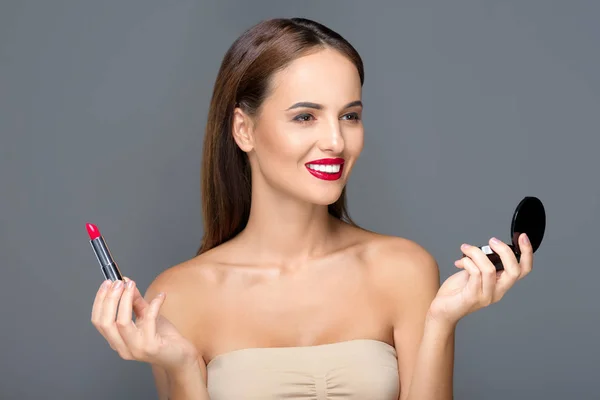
(356, 289)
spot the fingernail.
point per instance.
(105, 284)
(464, 246)
(129, 284)
(494, 240)
(118, 284)
(525, 239)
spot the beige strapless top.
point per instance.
(362, 369)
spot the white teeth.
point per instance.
(330, 169)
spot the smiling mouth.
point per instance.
(327, 172)
(329, 168)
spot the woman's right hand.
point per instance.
(151, 338)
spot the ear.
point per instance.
(242, 130)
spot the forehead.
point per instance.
(326, 76)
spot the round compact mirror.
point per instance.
(530, 218)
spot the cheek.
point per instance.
(354, 142)
(277, 148)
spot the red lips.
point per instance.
(327, 161)
(324, 175)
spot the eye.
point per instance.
(354, 117)
(303, 118)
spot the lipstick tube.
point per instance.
(109, 267)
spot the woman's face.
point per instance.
(309, 131)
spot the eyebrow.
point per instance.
(307, 104)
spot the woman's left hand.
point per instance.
(479, 284)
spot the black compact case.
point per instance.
(530, 218)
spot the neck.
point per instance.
(284, 230)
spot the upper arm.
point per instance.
(412, 282)
(171, 309)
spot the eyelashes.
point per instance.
(355, 116)
(306, 118)
(303, 118)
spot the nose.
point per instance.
(332, 140)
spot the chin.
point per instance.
(323, 197)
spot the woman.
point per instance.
(287, 298)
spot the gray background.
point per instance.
(470, 106)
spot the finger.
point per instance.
(108, 317)
(476, 254)
(508, 258)
(474, 282)
(98, 300)
(139, 303)
(151, 314)
(125, 324)
(459, 264)
(488, 271)
(526, 255)
(512, 269)
(138, 307)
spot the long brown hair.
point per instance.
(243, 81)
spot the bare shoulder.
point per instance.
(406, 277)
(397, 255)
(387, 254)
(400, 267)
(189, 287)
(179, 280)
